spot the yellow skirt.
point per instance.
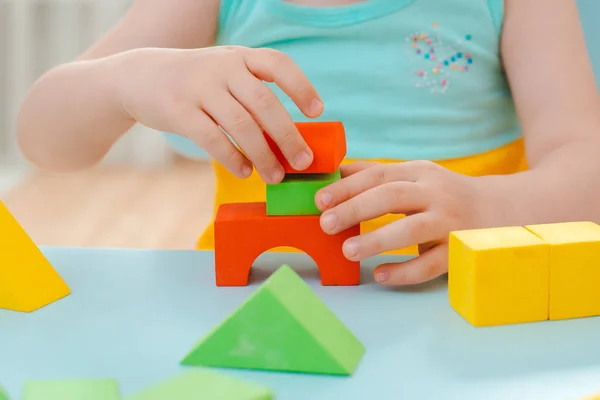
(508, 159)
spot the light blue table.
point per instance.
(134, 314)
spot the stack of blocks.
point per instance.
(282, 326)
(512, 275)
(289, 217)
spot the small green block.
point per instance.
(282, 326)
(203, 384)
(295, 195)
(76, 389)
(3, 394)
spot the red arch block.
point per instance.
(326, 139)
(243, 231)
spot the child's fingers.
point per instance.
(201, 129)
(246, 132)
(395, 197)
(274, 66)
(354, 167)
(359, 182)
(415, 229)
(266, 108)
(425, 267)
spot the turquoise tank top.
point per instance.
(410, 79)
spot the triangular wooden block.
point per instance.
(283, 326)
(27, 280)
(203, 384)
(77, 389)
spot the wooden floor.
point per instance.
(116, 206)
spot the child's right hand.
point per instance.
(193, 92)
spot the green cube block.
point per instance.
(203, 384)
(295, 195)
(76, 389)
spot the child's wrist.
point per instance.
(113, 73)
(499, 202)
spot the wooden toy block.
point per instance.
(498, 276)
(327, 141)
(282, 326)
(574, 268)
(295, 195)
(27, 280)
(3, 394)
(243, 231)
(203, 384)
(76, 389)
(593, 397)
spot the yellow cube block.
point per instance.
(574, 268)
(498, 276)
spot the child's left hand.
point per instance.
(435, 201)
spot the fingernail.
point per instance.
(382, 276)
(326, 199)
(329, 222)
(302, 160)
(246, 171)
(350, 248)
(316, 106)
(277, 174)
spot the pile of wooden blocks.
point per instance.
(512, 275)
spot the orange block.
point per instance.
(243, 231)
(327, 140)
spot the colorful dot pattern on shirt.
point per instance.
(437, 61)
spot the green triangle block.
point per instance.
(282, 326)
(77, 389)
(203, 384)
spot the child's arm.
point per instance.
(72, 115)
(148, 69)
(559, 107)
(558, 103)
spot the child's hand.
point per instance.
(193, 92)
(435, 200)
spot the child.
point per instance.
(491, 106)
